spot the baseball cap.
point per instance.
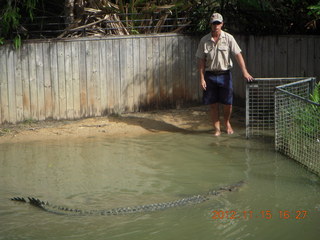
(216, 17)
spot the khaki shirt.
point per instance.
(217, 55)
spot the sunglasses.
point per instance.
(216, 23)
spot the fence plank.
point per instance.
(271, 57)
(175, 72)
(143, 73)
(4, 108)
(251, 56)
(25, 82)
(83, 80)
(281, 58)
(156, 71)
(264, 57)
(169, 69)
(18, 85)
(69, 80)
(123, 75)
(258, 57)
(136, 73)
(309, 58)
(149, 74)
(109, 77)
(33, 82)
(294, 49)
(188, 68)
(47, 82)
(117, 77)
(163, 96)
(54, 80)
(11, 86)
(181, 71)
(198, 91)
(93, 80)
(96, 80)
(62, 80)
(127, 88)
(75, 52)
(102, 76)
(40, 81)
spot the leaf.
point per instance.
(17, 41)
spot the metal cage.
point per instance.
(260, 105)
(297, 123)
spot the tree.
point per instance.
(21, 19)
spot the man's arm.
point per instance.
(243, 67)
(201, 69)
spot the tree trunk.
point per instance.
(69, 11)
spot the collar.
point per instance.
(209, 36)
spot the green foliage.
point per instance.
(30, 7)
(314, 12)
(10, 18)
(308, 118)
(314, 9)
(17, 41)
(252, 17)
(315, 96)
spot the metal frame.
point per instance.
(260, 104)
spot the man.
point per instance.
(214, 64)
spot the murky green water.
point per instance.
(107, 173)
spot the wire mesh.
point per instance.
(260, 105)
(297, 123)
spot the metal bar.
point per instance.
(297, 82)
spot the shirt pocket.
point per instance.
(223, 48)
(223, 55)
(208, 49)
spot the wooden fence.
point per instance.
(70, 79)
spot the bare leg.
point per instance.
(214, 111)
(227, 115)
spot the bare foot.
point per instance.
(217, 133)
(229, 128)
(230, 131)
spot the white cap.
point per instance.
(216, 17)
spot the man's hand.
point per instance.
(203, 84)
(248, 77)
(201, 68)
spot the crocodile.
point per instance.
(195, 199)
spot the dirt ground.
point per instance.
(193, 119)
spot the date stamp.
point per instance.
(262, 214)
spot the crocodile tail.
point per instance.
(19, 199)
(32, 201)
(36, 202)
(50, 208)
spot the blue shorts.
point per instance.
(219, 88)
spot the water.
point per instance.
(96, 173)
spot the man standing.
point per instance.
(214, 64)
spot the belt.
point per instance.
(218, 72)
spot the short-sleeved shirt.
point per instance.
(217, 55)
